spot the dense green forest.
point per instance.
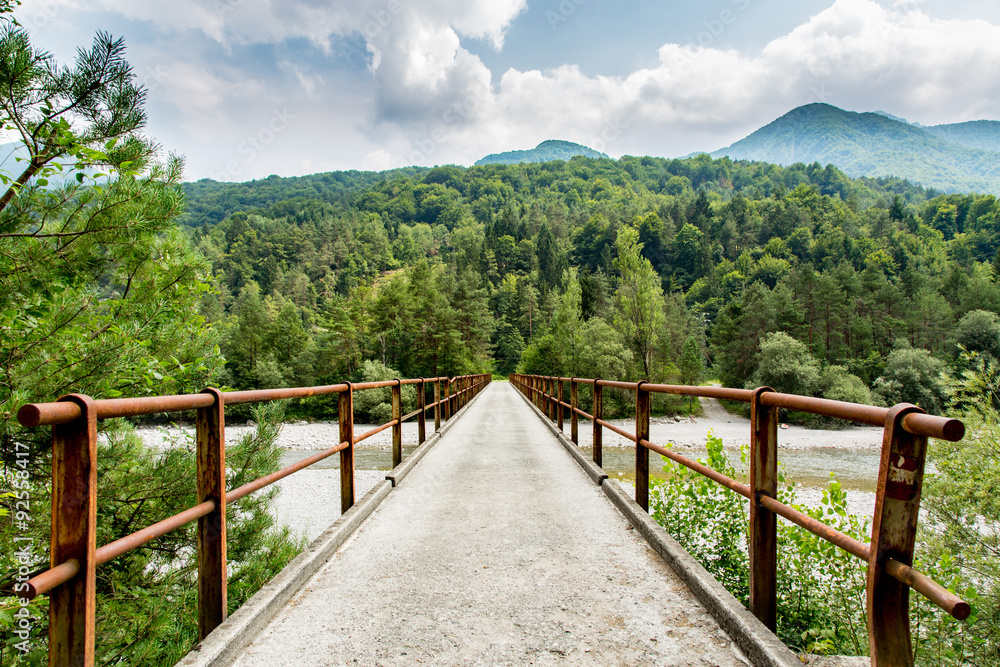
(602, 267)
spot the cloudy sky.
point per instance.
(248, 88)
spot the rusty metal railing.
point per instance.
(897, 503)
(70, 581)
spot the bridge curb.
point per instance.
(227, 642)
(760, 645)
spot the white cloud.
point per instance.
(855, 54)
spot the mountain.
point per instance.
(981, 134)
(546, 151)
(963, 157)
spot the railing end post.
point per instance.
(894, 527)
(73, 605)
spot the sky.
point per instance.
(249, 88)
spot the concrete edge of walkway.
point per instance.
(759, 644)
(595, 472)
(224, 644)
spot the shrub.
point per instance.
(913, 376)
(785, 365)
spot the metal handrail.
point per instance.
(74, 553)
(905, 432)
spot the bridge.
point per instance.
(495, 542)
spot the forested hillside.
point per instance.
(602, 267)
(961, 157)
(547, 151)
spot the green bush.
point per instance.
(785, 365)
(837, 384)
(821, 590)
(913, 376)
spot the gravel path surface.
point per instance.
(497, 549)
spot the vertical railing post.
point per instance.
(437, 404)
(422, 406)
(346, 421)
(559, 407)
(446, 397)
(547, 396)
(574, 422)
(641, 453)
(211, 454)
(598, 408)
(763, 522)
(552, 398)
(397, 427)
(72, 606)
(897, 505)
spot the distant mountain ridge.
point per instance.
(960, 157)
(547, 151)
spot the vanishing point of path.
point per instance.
(497, 549)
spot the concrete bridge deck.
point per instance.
(496, 549)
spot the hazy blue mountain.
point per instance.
(892, 117)
(964, 157)
(981, 134)
(546, 151)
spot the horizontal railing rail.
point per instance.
(889, 555)
(70, 581)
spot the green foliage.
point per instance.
(450, 270)
(707, 519)
(785, 365)
(913, 376)
(979, 331)
(962, 538)
(376, 404)
(821, 590)
(837, 384)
